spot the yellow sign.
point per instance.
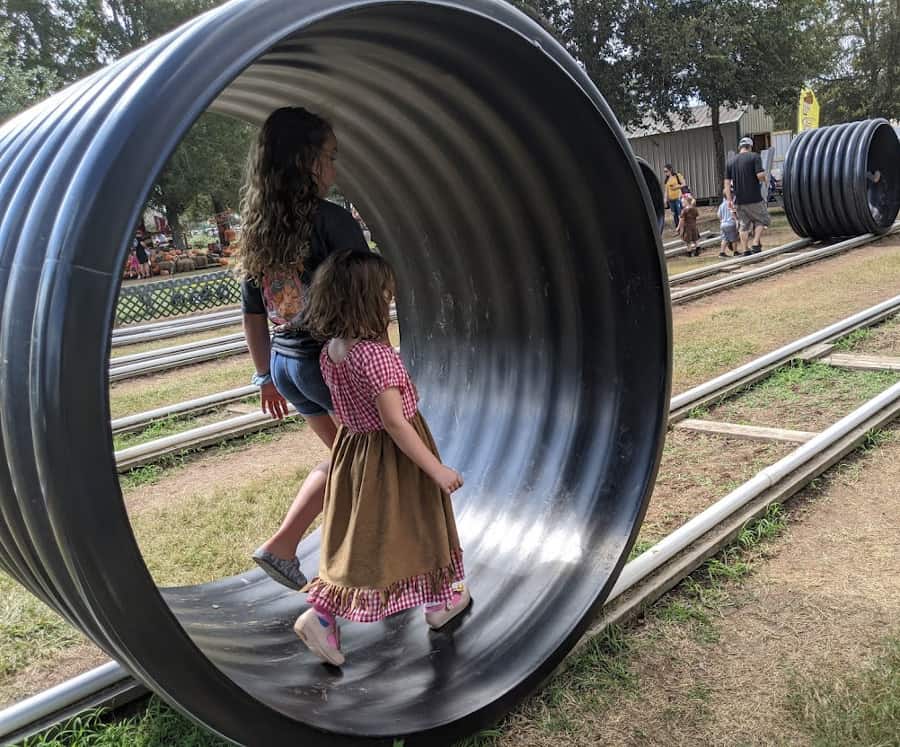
(808, 111)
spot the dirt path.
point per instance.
(215, 471)
(813, 611)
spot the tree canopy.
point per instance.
(46, 45)
(648, 58)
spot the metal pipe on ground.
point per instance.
(689, 294)
(648, 561)
(678, 242)
(683, 248)
(154, 365)
(729, 264)
(194, 438)
(124, 360)
(165, 332)
(682, 403)
(133, 329)
(130, 423)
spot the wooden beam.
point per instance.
(863, 362)
(748, 432)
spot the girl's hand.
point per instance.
(448, 478)
(272, 402)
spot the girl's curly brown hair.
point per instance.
(280, 195)
(350, 297)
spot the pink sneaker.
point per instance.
(440, 614)
(321, 637)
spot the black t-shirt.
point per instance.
(742, 171)
(334, 230)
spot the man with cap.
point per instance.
(744, 177)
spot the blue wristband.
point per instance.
(261, 379)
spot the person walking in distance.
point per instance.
(744, 177)
(673, 182)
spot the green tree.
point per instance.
(865, 81)
(208, 162)
(46, 44)
(20, 85)
(738, 53)
(624, 49)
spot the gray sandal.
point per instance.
(285, 572)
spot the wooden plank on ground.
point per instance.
(748, 432)
(815, 352)
(859, 362)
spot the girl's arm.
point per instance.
(256, 330)
(390, 408)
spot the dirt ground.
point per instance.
(215, 471)
(826, 595)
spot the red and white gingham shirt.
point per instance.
(369, 369)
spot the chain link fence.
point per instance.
(177, 296)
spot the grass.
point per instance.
(176, 424)
(31, 631)
(148, 392)
(806, 396)
(184, 542)
(731, 328)
(181, 544)
(856, 338)
(859, 708)
(157, 726)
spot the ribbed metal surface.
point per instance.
(843, 180)
(535, 319)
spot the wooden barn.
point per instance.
(688, 145)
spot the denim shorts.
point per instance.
(300, 382)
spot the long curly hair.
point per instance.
(350, 296)
(280, 194)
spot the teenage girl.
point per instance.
(289, 229)
(389, 538)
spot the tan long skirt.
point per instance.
(389, 539)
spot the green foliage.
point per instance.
(20, 84)
(44, 46)
(739, 53)
(206, 169)
(157, 726)
(623, 47)
(865, 79)
(29, 629)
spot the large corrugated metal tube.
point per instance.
(535, 318)
(843, 180)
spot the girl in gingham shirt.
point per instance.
(389, 539)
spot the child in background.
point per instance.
(389, 539)
(687, 226)
(728, 228)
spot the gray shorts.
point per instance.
(752, 215)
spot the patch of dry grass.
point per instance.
(148, 392)
(715, 334)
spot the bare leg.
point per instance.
(323, 426)
(308, 503)
(303, 511)
(757, 234)
(745, 235)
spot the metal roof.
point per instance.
(698, 117)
